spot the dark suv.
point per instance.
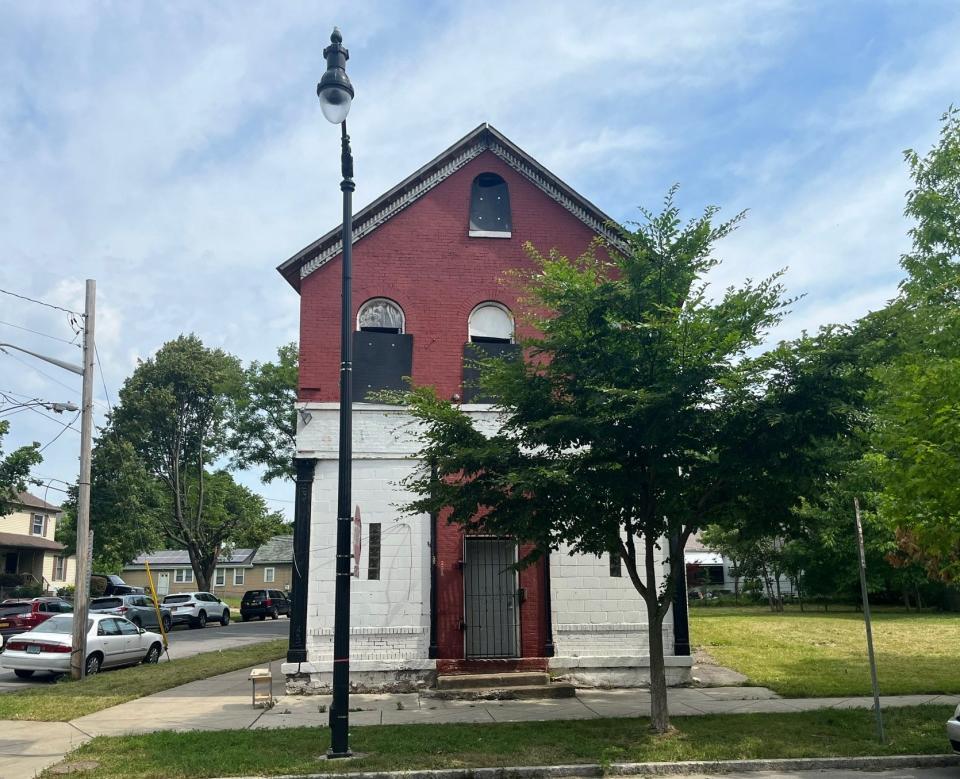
(263, 604)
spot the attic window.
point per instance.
(380, 315)
(489, 207)
(491, 323)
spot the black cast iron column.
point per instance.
(340, 707)
(681, 622)
(297, 649)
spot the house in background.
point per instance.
(29, 552)
(243, 569)
(711, 573)
(429, 262)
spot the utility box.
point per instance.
(262, 683)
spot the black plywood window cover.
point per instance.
(380, 362)
(373, 556)
(472, 352)
(615, 565)
(490, 204)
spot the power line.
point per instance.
(65, 428)
(53, 419)
(37, 332)
(39, 302)
(103, 381)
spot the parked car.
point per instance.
(137, 608)
(20, 615)
(263, 604)
(196, 609)
(953, 730)
(114, 585)
(111, 641)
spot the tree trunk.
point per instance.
(916, 591)
(659, 709)
(906, 599)
(779, 594)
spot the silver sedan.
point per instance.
(111, 641)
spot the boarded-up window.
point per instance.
(373, 563)
(615, 565)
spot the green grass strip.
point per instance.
(68, 699)
(826, 733)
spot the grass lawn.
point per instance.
(826, 733)
(817, 654)
(68, 699)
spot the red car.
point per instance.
(19, 616)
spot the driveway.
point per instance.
(185, 642)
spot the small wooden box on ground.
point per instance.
(261, 680)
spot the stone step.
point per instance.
(496, 681)
(522, 692)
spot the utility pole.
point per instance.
(81, 593)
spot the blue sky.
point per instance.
(176, 152)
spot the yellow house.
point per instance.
(29, 552)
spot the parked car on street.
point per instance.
(111, 641)
(953, 730)
(263, 604)
(196, 609)
(17, 615)
(114, 585)
(137, 608)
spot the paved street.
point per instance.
(184, 643)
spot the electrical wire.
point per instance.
(39, 302)
(37, 332)
(65, 428)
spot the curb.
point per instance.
(653, 769)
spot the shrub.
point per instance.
(66, 592)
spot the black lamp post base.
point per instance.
(331, 755)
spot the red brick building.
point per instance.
(429, 264)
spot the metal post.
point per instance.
(681, 620)
(866, 619)
(81, 593)
(302, 518)
(340, 707)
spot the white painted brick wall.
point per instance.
(594, 614)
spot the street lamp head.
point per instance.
(335, 90)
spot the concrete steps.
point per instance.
(521, 685)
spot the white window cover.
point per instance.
(491, 320)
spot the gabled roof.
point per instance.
(167, 558)
(278, 549)
(27, 500)
(483, 138)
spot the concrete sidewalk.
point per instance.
(223, 702)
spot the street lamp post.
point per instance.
(336, 94)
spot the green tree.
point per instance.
(15, 470)
(916, 435)
(175, 413)
(636, 415)
(266, 424)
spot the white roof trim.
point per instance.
(441, 174)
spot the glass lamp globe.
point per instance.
(335, 103)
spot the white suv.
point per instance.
(197, 609)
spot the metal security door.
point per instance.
(490, 597)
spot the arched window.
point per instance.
(489, 207)
(491, 323)
(380, 315)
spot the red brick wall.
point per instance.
(424, 260)
(450, 638)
